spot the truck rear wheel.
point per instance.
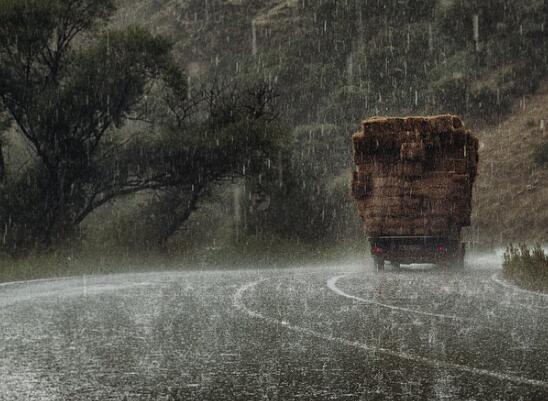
(455, 261)
(379, 263)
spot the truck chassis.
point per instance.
(447, 252)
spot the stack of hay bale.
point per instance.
(414, 175)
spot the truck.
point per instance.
(413, 182)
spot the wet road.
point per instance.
(337, 332)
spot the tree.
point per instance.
(69, 85)
(66, 86)
(308, 199)
(224, 131)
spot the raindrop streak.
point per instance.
(240, 305)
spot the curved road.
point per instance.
(336, 332)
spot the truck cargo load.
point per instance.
(413, 186)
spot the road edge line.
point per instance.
(238, 303)
(505, 283)
(332, 285)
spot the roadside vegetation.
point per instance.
(96, 114)
(526, 267)
(252, 253)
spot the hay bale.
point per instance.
(390, 181)
(414, 175)
(412, 151)
(404, 202)
(374, 144)
(367, 167)
(373, 213)
(452, 165)
(441, 123)
(390, 191)
(409, 169)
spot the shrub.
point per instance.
(527, 267)
(451, 94)
(540, 154)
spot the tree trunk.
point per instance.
(179, 217)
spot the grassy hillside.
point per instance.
(511, 195)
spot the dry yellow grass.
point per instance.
(511, 192)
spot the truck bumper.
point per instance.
(407, 250)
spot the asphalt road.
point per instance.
(337, 332)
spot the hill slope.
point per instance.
(511, 194)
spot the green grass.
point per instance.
(61, 265)
(526, 267)
(251, 253)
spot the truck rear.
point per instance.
(413, 186)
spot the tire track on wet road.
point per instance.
(332, 285)
(496, 278)
(79, 286)
(239, 304)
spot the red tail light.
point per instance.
(441, 249)
(376, 250)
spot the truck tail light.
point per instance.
(376, 250)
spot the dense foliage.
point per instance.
(526, 267)
(338, 61)
(68, 86)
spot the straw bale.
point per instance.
(361, 185)
(453, 139)
(412, 151)
(378, 168)
(388, 191)
(409, 169)
(368, 167)
(428, 190)
(374, 213)
(414, 175)
(393, 180)
(459, 166)
(441, 123)
(403, 170)
(381, 142)
(370, 144)
(405, 202)
(450, 163)
(377, 212)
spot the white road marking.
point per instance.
(68, 292)
(40, 280)
(495, 277)
(240, 305)
(332, 285)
